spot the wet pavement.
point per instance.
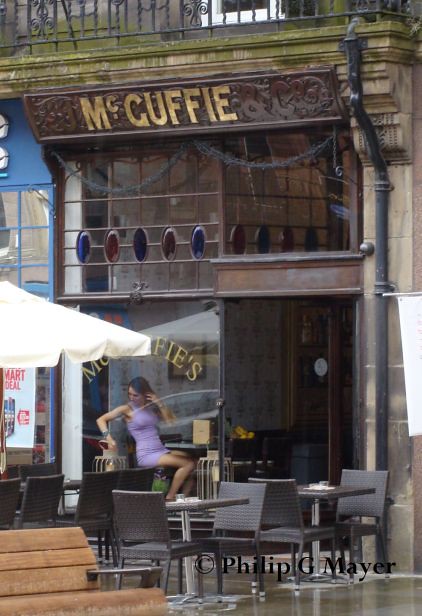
(397, 596)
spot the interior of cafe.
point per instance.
(288, 372)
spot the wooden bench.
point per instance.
(53, 572)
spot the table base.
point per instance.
(182, 600)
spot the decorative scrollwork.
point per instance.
(43, 23)
(301, 96)
(194, 9)
(136, 295)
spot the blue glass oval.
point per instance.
(311, 239)
(112, 246)
(238, 239)
(198, 242)
(263, 240)
(168, 243)
(83, 246)
(140, 244)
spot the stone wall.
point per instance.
(417, 281)
(400, 512)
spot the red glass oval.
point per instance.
(287, 240)
(238, 240)
(112, 246)
(168, 243)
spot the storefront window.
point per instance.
(183, 369)
(24, 237)
(304, 207)
(263, 193)
(113, 239)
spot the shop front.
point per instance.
(222, 217)
(26, 260)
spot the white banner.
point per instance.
(410, 311)
(19, 406)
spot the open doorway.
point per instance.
(289, 381)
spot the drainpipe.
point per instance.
(382, 186)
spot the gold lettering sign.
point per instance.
(178, 357)
(231, 103)
(95, 113)
(185, 363)
(167, 107)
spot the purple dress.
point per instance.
(143, 428)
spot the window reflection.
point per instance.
(34, 208)
(302, 207)
(183, 369)
(4, 235)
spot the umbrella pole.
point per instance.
(3, 461)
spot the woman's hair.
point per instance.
(141, 385)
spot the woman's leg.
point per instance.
(184, 464)
(190, 482)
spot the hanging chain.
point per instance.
(124, 190)
(207, 150)
(230, 160)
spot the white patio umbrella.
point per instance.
(198, 327)
(35, 332)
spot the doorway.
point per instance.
(288, 366)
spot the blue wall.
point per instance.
(26, 168)
(25, 163)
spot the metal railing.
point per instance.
(44, 25)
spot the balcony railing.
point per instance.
(45, 25)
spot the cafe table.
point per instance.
(185, 507)
(320, 492)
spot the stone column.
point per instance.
(417, 252)
(394, 132)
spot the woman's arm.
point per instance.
(102, 423)
(166, 414)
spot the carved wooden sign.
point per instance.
(239, 102)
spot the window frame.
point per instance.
(218, 16)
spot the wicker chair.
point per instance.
(36, 470)
(237, 519)
(350, 510)
(283, 514)
(135, 479)
(40, 501)
(9, 499)
(143, 532)
(94, 510)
